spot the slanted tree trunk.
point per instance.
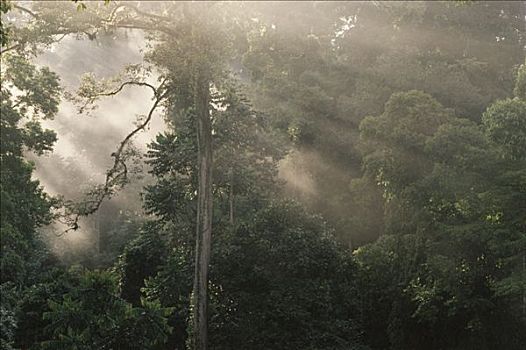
(204, 215)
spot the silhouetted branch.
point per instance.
(14, 47)
(26, 10)
(119, 89)
(117, 175)
(111, 17)
(90, 97)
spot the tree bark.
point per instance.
(523, 288)
(204, 215)
(231, 198)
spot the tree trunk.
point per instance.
(523, 7)
(204, 216)
(523, 286)
(97, 227)
(231, 198)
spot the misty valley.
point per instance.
(296, 175)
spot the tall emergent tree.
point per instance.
(189, 49)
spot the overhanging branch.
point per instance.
(26, 10)
(138, 83)
(113, 13)
(116, 176)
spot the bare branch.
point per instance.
(91, 90)
(14, 47)
(146, 26)
(116, 176)
(111, 18)
(119, 89)
(26, 10)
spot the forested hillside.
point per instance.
(263, 175)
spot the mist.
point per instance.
(263, 175)
(325, 159)
(81, 155)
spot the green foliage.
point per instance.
(91, 314)
(172, 286)
(5, 6)
(39, 86)
(7, 327)
(383, 268)
(459, 240)
(397, 112)
(24, 204)
(140, 261)
(319, 74)
(279, 281)
(393, 154)
(246, 152)
(505, 123)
